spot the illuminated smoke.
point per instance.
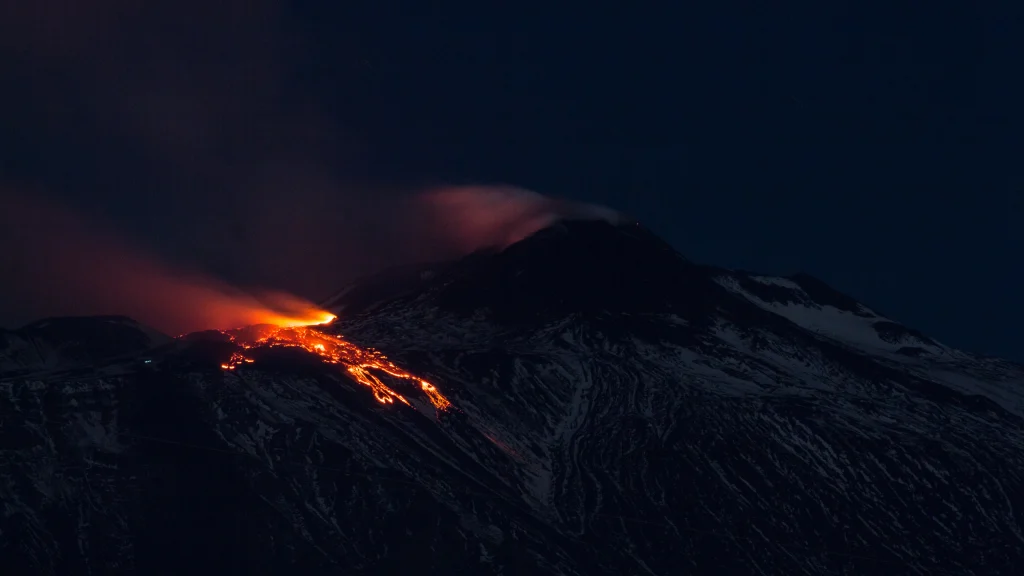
(186, 125)
(55, 264)
(474, 217)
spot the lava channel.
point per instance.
(364, 365)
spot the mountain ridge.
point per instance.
(718, 421)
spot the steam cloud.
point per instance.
(472, 217)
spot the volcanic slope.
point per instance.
(609, 408)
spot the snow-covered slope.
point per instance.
(619, 410)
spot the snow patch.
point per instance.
(775, 281)
(828, 321)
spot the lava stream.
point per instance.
(362, 364)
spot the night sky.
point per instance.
(875, 146)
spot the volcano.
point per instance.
(585, 401)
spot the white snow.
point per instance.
(774, 281)
(1007, 394)
(940, 367)
(827, 321)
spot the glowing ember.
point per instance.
(364, 365)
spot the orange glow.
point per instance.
(96, 273)
(366, 366)
(306, 318)
(71, 267)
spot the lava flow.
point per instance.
(363, 365)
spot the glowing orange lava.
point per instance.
(310, 318)
(364, 365)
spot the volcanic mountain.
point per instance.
(585, 401)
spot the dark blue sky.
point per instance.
(874, 146)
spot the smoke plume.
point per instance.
(175, 137)
(55, 264)
(190, 126)
(468, 218)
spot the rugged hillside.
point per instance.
(61, 343)
(617, 409)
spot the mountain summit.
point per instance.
(585, 401)
(573, 266)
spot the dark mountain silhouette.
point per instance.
(617, 409)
